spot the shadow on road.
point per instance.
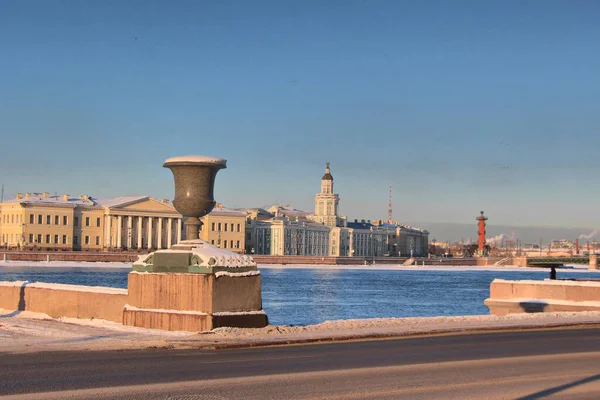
(554, 390)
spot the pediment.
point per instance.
(146, 204)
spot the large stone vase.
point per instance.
(194, 185)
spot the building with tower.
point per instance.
(327, 203)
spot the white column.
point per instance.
(150, 232)
(106, 239)
(119, 225)
(169, 232)
(139, 232)
(129, 228)
(178, 230)
(159, 237)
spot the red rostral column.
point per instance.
(481, 232)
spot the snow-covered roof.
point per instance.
(45, 198)
(227, 211)
(288, 211)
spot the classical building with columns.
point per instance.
(42, 221)
(288, 237)
(140, 223)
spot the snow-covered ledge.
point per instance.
(194, 256)
(60, 300)
(526, 296)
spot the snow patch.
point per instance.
(224, 313)
(162, 310)
(77, 288)
(236, 274)
(551, 282)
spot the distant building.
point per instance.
(278, 210)
(225, 228)
(327, 203)
(41, 221)
(286, 237)
(367, 239)
(405, 240)
(284, 230)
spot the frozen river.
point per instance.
(301, 296)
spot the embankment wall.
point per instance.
(509, 297)
(58, 300)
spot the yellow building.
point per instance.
(41, 221)
(225, 228)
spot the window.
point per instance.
(56, 220)
(212, 241)
(225, 226)
(55, 239)
(39, 239)
(39, 219)
(213, 226)
(64, 239)
(87, 240)
(237, 244)
(231, 227)
(97, 221)
(65, 220)
(239, 227)
(87, 221)
(76, 221)
(219, 225)
(97, 240)
(12, 219)
(48, 219)
(31, 218)
(75, 240)
(224, 244)
(31, 238)
(232, 244)
(47, 238)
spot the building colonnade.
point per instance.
(141, 231)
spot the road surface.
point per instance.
(532, 364)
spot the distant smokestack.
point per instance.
(576, 246)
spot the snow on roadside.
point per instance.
(28, 332)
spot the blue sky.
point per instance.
(460, 106)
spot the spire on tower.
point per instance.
(390, 207)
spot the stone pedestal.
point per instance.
(194, 286)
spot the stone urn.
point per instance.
(194, 184)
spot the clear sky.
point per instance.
(460, 106)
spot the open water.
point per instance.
(309, 296)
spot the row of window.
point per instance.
(11, 219)
(224, 243)
(65, 220)
(223, 227)
(15, 219)
(47, 239)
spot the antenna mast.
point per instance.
(390, 207)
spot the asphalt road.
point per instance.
(557, 363)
